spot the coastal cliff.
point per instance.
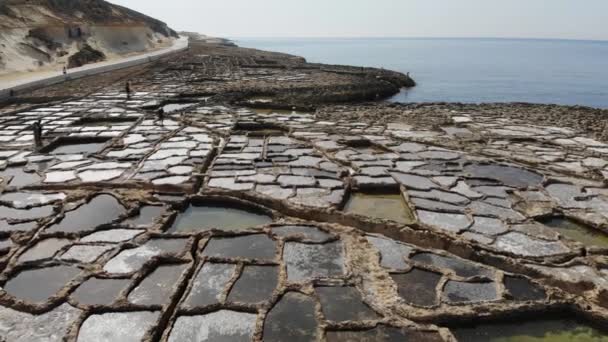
(49, 33)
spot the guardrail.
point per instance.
(93, 69)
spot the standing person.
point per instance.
(37, 128)
(128, 89)
(160, 114)
(65, 70)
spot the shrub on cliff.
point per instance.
(86, 55)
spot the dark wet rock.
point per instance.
(392, 253)
(51, 326)
(256, 246)
(102, 209)
(37, 285)
(309, 233)
(255, 284)
(85, 55)
(305, 261)
(461, 268)
(219, 326)
(117, 326)
(456, 292)
(99, 291)
(209, 284)
(157, 288)
(523, 289)
(202, 218)
(382, 333)
(418, 287)
(291, 319)
(343, 304)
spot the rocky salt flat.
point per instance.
(254, 209)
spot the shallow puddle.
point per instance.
(203, 218)
(38, 285)
(308, 261)
(147, 216)
(383, 333)
(255, 284)
(174, 107)
(343, 304)
(77, 148)
(256, 246)
(508, 175)
(291, 319)
(100, 210)
(388, 207)
(531, 331)
(460, 267)
(97, 291)
(418, 287)
(19, 177)
(523, 289)
(209, 284)
(457, 292)
(158, 287)
(577, 232)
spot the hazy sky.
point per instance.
(571, 19)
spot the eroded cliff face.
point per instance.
(46, 33)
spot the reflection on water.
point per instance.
(388, 207)
(559, 330)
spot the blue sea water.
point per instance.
(470, 70)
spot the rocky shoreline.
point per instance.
(273, 199)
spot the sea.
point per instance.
(469, 70)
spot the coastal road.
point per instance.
(42, 79)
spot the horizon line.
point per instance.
(417, 37)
